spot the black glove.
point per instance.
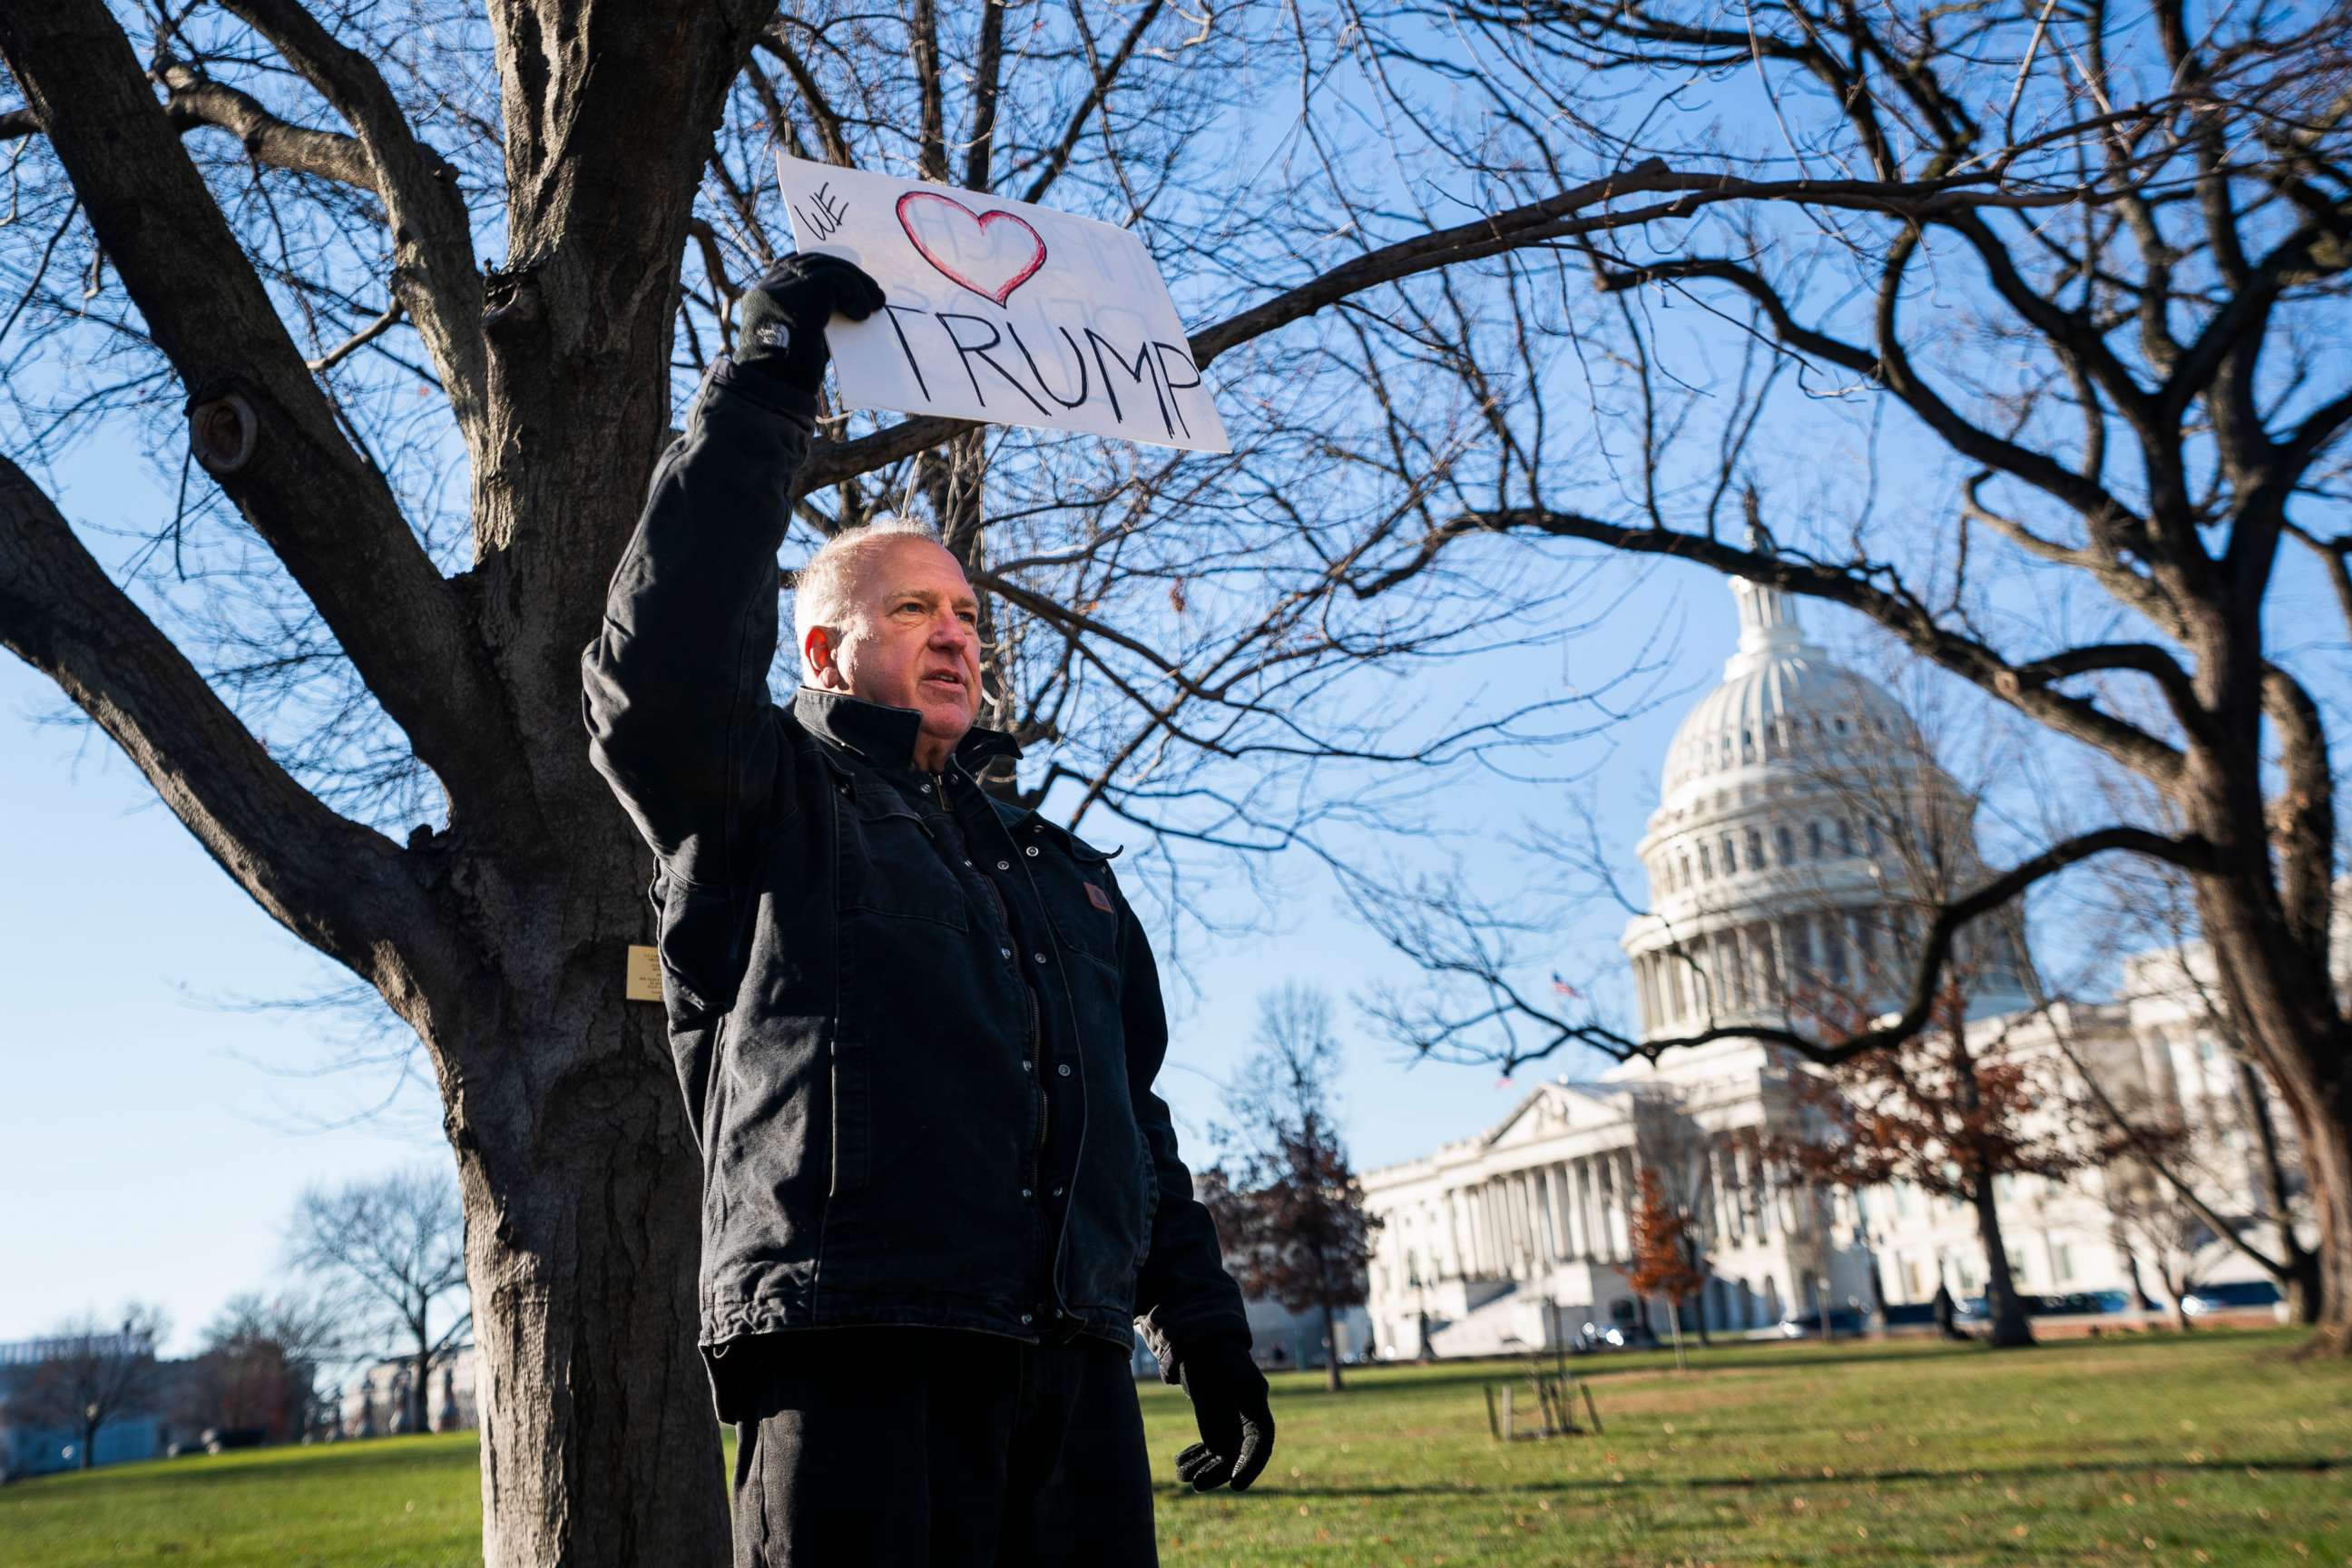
(1228, 1395)
(781, 333)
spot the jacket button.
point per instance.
(1026, 1192)
(1005, 865)
(1064, 1070)
(1028, 1067)
(1027, 1319)
(1033, 851)
(1057, 1192)
(1038, 956)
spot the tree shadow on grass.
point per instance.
(1767, 1356)
(1600, 1368)
(1971, 1475)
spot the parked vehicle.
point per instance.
(1844, 1323)
(2209, 1298)
(2072, 1304)
(1618, 1337)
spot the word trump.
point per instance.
(1153, 373)
(1001, 312)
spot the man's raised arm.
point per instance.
(675, 687)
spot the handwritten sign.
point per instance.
(1001, 312)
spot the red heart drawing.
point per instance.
(999, 292)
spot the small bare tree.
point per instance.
(1289, 1210)
(391, 1250)
(259, 1362)
(93, 1373)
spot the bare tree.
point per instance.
(345, 656)
(92, 1372)
(1289, 1210)
(392, 1249)
(2162, 1224)
(2093, 260)
(259, 1366)
(2251, 1198)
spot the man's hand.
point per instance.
(783, 329)
(1228, 1395)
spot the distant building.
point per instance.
(375, 1402)
(32, 1447)
(1778, 867)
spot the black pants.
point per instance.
(940, 1448)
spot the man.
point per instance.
(916, 1030)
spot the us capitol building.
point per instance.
(1804, 828)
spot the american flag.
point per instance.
(1563, 987)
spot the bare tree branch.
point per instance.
(257, 418)
(336, 885)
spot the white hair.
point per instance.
(825, 588)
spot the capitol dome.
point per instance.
(1803, 832)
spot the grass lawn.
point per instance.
(2213, 1448)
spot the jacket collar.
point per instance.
(885, 735)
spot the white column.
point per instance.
(1621, 1186)
(1531, 1201)
(1507, 1234)
(1531, 1219)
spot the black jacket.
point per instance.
(917, 1036)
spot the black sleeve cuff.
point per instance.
(765, 387)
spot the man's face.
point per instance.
(912, 641)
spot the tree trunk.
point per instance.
(2301, 1283)
(420, 1378)
(89, 1455)
(2310, 1061)
(2327, 1160)
(583, 1199)
(582, 1239)
(2010, 1327)
(1674, 1326)
(1331, 1348)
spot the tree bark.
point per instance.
(2011, 1326)
(1331, 1348)
(2301, 1281)
(583, 1199)
(2274, 981)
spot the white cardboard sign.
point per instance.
(1001, 312)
